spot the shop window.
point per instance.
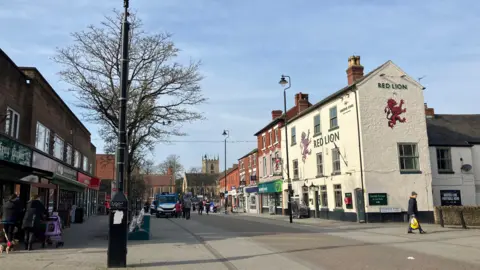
(76, 159)
(408, 157)
(293, 136)
(316, 125)
(319, 164)
(333, 117)
(323, 196)
(42, 141)
(58, 147)
(444, 159)
(253, 202)
(264, 200)
(337, 189)
(12, 123)
(295, 169)
(69, 155)
(336, 161)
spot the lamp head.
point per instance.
(283, 82)
(224, 133)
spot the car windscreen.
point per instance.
(166, 199)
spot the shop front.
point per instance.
(251, 199)
(271, 197)
(88, 198)
(241, 200)
(16, 172)
(62, 198)
(232, 198)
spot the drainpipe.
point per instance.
(360, 155)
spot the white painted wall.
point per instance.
(463, 181)
(379, 141)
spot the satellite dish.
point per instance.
(466, 167)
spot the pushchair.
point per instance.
(53, 232)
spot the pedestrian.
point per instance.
(11, 214)
(207, 207)
(34, 214)
(200, 207)
(178, 209)
(413, 212)
(146, 207)
(188, 204)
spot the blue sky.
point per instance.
(246, 45)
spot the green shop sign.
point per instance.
(270, 187)
(377, 199)
(14, 152)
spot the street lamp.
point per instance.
(117, 233)
(226, 133)
(283, 82)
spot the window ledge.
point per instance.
(338, 209)
(336, 173)
(295, 179)
(293, 144)
(319, 176)
(446, 172)
(333, 128)
(411, 172)
(317, 134)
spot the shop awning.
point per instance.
(271, 186)
(68, 184)
(14, 172)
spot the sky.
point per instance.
(246, 45)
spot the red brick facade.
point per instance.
(233, 178)
(248, 168)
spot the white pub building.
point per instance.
(359, 153)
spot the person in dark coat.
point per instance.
(11, 215)
(34, 214)
(413, 212)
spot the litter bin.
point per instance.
(79, 212)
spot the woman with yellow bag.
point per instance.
(413, 213)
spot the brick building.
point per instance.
(158, 183)
(41, 134)
(233, 182)
(247, 193)
(270, 163)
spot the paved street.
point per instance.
(252, 242)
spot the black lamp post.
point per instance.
(117, 234)
(226, 133)
(283, 82)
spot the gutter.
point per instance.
(360, 156)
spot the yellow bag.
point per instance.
(413, 223)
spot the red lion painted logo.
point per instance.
(394, 111)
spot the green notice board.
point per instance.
(377, 199)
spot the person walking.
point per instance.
(207, 207)
(11, 214)
(34, 214)
(200, 207)
(178, 209)
(413, 212)
(188, 205)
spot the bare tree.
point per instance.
(172, 161)
(195, 170)
(148, 167)
(162, 93)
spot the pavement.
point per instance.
(243, 241)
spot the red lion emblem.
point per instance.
(393, 111)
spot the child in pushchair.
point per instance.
(53, 231)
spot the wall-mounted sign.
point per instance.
(377, 199)
(330, 138)
(42, 162)
(14, 152)
(392, 86)
(66, 172)
(346, 109)
(84, 179)
(304, 145)
(394, 112)
(450, 197)
(390, 210)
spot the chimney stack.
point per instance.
(169, 171)
(301, 102)
(276, 114)
(354, 70)
(429, 112)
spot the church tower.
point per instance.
(210, 165)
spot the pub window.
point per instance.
(293, 136)
(319, 164)
(333, 117)
(69, 155)
(42, 141)
(444, 159)
(336, 160)
(323, 196)
(337, 189)
(408, 156)
(295, 169)
(76, 159)
(316, 125)
(12, 123)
